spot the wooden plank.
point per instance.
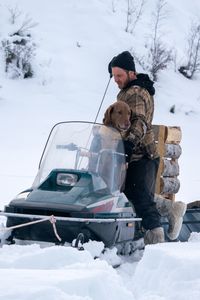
(161, 137)
(157, 132)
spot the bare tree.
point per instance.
(193, 52)
(175, 58)
(14, 14)
(138, 14)
(133, 14)
(160, 57)
(129, 13)
(158, 54)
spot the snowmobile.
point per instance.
(76, 195)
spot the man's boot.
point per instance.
(174, 211)
(154, 236)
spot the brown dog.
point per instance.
(118, 115)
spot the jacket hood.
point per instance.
(143, 81)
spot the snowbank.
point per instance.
(169, 271)
(28, 272)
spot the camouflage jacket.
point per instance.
(140, 132)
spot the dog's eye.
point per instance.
(119, 112)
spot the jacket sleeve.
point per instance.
(138, 127)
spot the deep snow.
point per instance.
(166, 272)
(75, 41)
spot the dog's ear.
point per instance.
(131, 116)
(107, 115)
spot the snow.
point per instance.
(165, 271)
(72, 273)
(75, 40)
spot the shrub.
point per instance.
(19, 47)
(19, 52)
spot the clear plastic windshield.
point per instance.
(94, 148)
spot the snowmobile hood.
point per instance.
(22, 206)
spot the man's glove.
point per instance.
(128, 149)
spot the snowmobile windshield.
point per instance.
(87, 147)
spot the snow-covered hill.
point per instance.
(75, 40)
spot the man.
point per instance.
(137, 91)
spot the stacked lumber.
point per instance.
(168, 140)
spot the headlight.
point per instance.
(66, 179)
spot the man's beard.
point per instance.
(124, 84)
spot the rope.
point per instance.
(51, 219)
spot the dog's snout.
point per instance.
(127, 124)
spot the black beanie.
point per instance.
(124, 61)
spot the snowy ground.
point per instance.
(75, 41)
(166, 272)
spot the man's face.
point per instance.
(121, 77)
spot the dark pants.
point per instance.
(140, 189)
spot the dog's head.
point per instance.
(118, 115)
